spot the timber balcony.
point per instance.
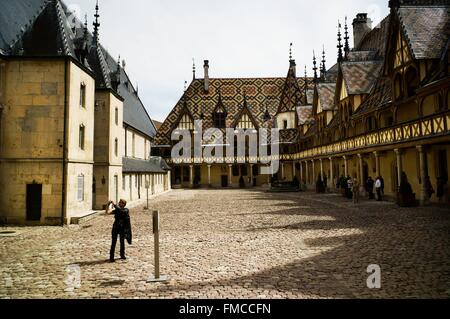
(432, 128)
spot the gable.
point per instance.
(245, 122)
(402, 55)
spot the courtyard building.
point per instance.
(73, 130)
(380, 111)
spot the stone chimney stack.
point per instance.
(206, 77)
(361, 26)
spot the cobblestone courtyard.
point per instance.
(240, 244)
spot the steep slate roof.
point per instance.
(152, 165)
(15, 17)
(262, 94)
(292, 95)
(360, 77)
(376, 40)
(42, 28)
(427, 29)
(326, 93)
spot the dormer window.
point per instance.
(219, 118)
(245, 123)
(186, 123)
(285, 124)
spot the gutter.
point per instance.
(64, 159)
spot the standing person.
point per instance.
(428, 187)
(382, 185)
(355, 191)
(440, 189)
(369, 187)
(378, 187)
(349, 187)
(121, 228)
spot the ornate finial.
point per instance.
(315, 66)
(323, 68)
(290, 52)
(339, 46)
(306, 85)
(346, 37)
(96, 23)
(185, 86)
(193, 68)
(118, 61)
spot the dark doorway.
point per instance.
(224, 181)
(177, 175)
(34, 202)
(442, 166)
(365, 176)
(197, 175)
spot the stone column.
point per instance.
(313, 173)
(423, 174)
(345, 165)
(307, 172)
(209, 175)
(362, 189)
(333, 183)
(282, 172)
(268, 176)
(301, 173)
(377, 163)
(398, 154)
(251, 175)
(230, 175)
(321, 170)
(191, 175)
(294, 171)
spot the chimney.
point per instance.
(206, 77)
(361, 26)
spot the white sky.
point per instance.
(240, 38)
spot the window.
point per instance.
(81, 136)
(116, 116)
(80, 188)
(116, 147)
(133, 145)
(83, 95)
(124, 182)
(219, 119)
(398, 86)
(245, 122)
(186, 123)
(285, 124)
(371, 124)
(412, 81)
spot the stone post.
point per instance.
(398, 154)
(209, 175)
(423, 174)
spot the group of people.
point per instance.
(350, 188)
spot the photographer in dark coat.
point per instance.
(121, 228)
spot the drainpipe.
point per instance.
(64, 164)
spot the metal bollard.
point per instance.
(157, 277)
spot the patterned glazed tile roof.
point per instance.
(305, 114)
(309, 96)
(427, 29)
(332, 73)
(326, 93)
(262, 95)
(289, 136)
(292, 94)
(379, 97)
(360, 77)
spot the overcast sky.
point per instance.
(241, 38)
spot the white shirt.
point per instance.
(378, 184)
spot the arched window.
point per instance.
(116, 147)
(116, 116)
(412, 80)
(398, 86)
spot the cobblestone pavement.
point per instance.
(239, 244)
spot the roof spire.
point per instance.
(185, 86)
(306, 85)
(339, 46)
(315, 66)
(96, 23)
(290, 52)
(323, 68)
(346, 37)
(193, 68)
